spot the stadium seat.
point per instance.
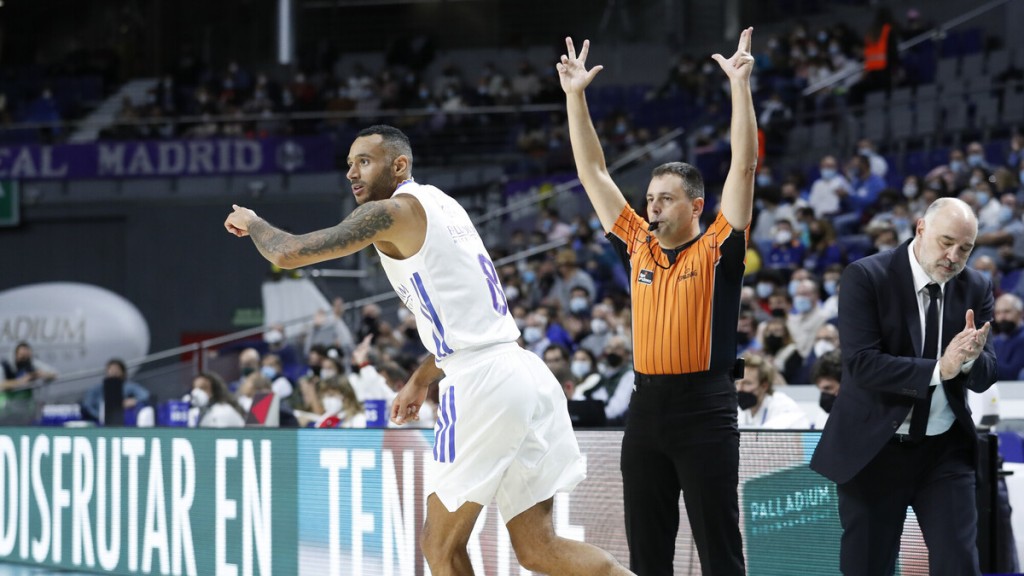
(1011, 446)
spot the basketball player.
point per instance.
(503, 430)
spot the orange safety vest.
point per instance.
(875, 50)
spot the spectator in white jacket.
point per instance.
(760, 404)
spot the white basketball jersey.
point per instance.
(450, 285)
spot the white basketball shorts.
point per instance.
(502, 432)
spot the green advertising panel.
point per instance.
(792, 519)
(149, 502)
(256, 502)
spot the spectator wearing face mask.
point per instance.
(579, 302)
(341, 407)
(878, 165)
(25, 370)
(825, 341)
(786, 252)
(216, 407)
(249, 361)
(1001, 233)
(278, 344)
(760, 405)
(1008, 339)
(987, 267)
(976, 157)
(806, 317)
(830, 284)
(534, 334)
(777, 345)
(272, 370)
(602, 324)
(132, 392)
(826, 374)
(569, 276)
(585, 370)
(828, 189)
(768, 280)
(863, 194)
(617, 376)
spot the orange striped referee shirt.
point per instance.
(685, 310)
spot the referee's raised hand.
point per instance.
(739, 66)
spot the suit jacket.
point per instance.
(883, 373)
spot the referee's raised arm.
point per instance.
(738, 192)
(606, 197)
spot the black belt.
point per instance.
(690, 380)
(908, 440)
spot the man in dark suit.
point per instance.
(901, 434)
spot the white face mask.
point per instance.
(822, 347)
(200, 398)
(598, 326)
(580, 368)
(332, 404)
(325, 374)
(532, 334)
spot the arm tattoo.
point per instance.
(362, 224)
(269, 240)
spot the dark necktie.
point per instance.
(919, 420)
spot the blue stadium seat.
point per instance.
(1011, 446)
(1010, 280)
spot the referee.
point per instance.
(681, 430)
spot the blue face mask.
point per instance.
(982, 197)
(792, 287)
(802, 304)
(1005, 215)
(830, 287)
(529, 276)
(268, 372)
(595, 224)
(764, 180)
(957, 165)
(987, 274)
(828, 173)
(764, 290)
(975, 160)
(578, 305)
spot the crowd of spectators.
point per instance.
(572, 305)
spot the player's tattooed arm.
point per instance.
(366, 224)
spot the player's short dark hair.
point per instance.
(396, 143)
(693, 182)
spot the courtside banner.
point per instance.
(168, 158)
(162, 501)
(246, 502)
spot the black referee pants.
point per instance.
(681, 435)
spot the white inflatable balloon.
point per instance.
(71, 326)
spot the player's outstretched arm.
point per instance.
(738, 192)
(606, 197)
(368, 223)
